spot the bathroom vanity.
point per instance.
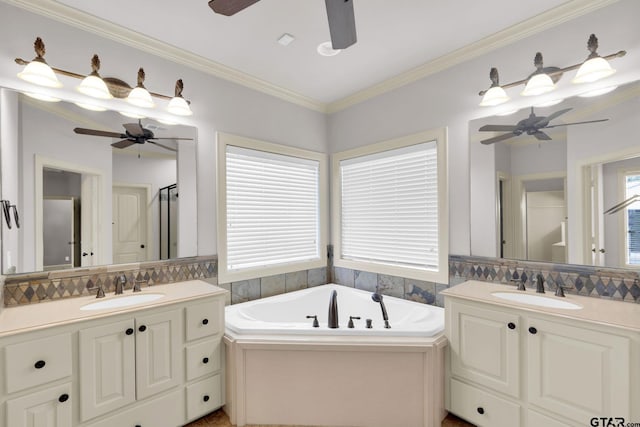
(540, 360)
(75, 362)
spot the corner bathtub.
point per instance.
(287, 314)
(281, 370)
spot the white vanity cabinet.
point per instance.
(127, 360)
(158, 365)
(522, 367)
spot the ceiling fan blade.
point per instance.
(134, 129)
(177, 139)
(124, 143)
(577, 123)
(166, 147)
(498, 128)
(342, 23)
(94, 132)
(542, 136)
(497, 138)
(230, 7)
(557, 114)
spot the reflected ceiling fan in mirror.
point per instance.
(342, 23)
(134, 134)
(532, 125)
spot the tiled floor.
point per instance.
(220, 419)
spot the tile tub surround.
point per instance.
(54, 285)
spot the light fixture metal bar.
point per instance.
(560, 71)
(21, 61)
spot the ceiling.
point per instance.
(396, 38)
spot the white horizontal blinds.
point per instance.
(272, 209)
(390, 207)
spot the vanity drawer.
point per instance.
(482, 408)
(163, 411)
(37, 362)
(52, 407)
(204, 397)
(205, 319)
(203, 358)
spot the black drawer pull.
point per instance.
(39, 364)
(142, 328)
(129, 331)
(511, 325)
(206, 398)
(533, 330)
(480, 410)
(205, 360)
(63, 398)
(205, 321)
(138, 425)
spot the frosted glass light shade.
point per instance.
(95, 87)
(140, 97)
(494, 96)
(39, 73)
(179, 107)
(592, 70)
(538, 84)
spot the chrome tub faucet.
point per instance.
(333, 310)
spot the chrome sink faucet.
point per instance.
(540, 284)
(333, 310)
(120, 284)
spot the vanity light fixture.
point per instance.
(139, 95)
(93, 85)
(38, 72)
(544, 78)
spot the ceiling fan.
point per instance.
(342, 24)
(532, 125)
(134, 134)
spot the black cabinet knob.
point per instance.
(129, 331)
(511, 325)
(142, 328)
(63, 398)
(533, 330)
(40, 364)
(205, 321)
(480, 410)
(205, 360)
(138, 425)
(206, 398)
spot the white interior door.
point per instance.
(129, 224)
(597, 216)
(58, 225)
(89, 220)
(545, 213)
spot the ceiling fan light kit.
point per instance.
(543, 80)
(38, 72)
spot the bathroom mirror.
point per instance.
(82, 202)
(546, 200)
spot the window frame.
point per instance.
(438, 135)
(224, 275)
(623, 221)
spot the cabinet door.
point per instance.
(158, 358)
(166, 411)
(576, 372)
(485, 346)
(47, 408)
(107, 368)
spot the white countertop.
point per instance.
(596, 310)
(29, 317)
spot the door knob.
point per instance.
(141, 246)
(84, 254)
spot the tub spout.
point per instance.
(333, 310)
(378, 298)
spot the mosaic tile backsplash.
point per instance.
(47, 286)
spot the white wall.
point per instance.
(9, 134)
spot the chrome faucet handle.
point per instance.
(136, 285)
(350, 324)
(100, 293)
(540, 284)
(520, 284)
(315, 321)
(120, 282)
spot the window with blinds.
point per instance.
(389, 207)
(272, 209)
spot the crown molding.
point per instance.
(68, 15)
(93, 24)
(537, 24)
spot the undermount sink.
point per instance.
(541, 301)
(124, 301)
